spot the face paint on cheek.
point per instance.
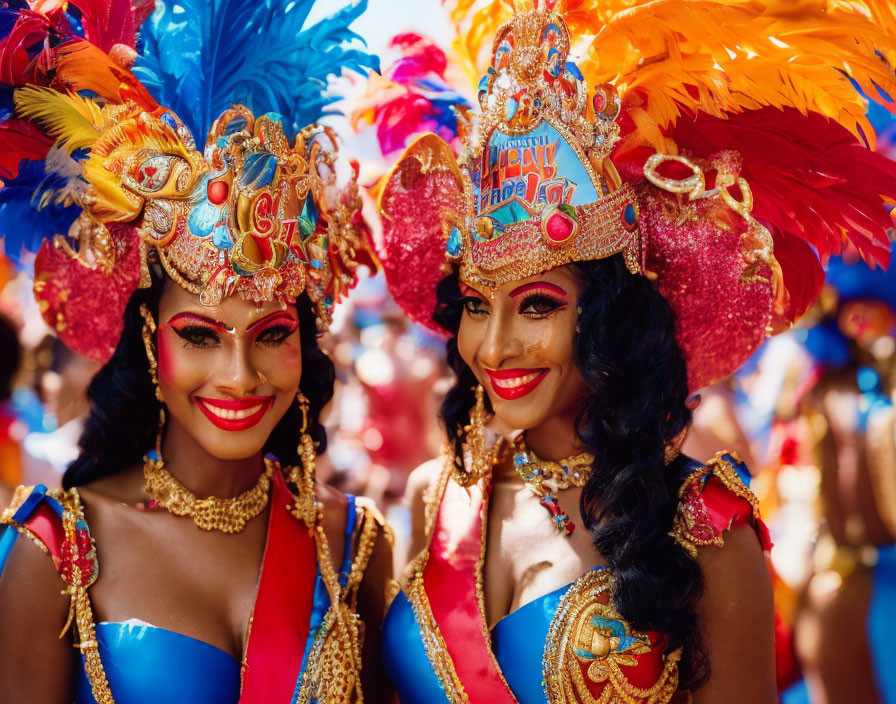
(291, 355)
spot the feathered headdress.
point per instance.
(411, 97)
(737, 125)
(99, 149)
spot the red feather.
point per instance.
(110, 22)
(815, 187)
(802, 272)
(810, 177)
(20, 139)
(16, 65)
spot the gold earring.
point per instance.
(673, 448)
(149, 329)
(159, 432)
(473, 446)
(303, 477)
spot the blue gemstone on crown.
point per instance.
(629, 215)
(510, 108)
(454, 242)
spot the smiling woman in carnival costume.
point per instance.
(200, 562)
(611, 250)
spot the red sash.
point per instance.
(282, 616)
(451, 582)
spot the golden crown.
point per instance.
(539, 187)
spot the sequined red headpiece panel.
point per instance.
(85, 304)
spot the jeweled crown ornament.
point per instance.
(743, 160)
(195, 150)
(255, 214)
(540, 189)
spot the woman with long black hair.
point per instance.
(579, 556)
(191, 555)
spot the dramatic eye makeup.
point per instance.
(197, 330)
(473, 301)
(273, 329)
(540, 298)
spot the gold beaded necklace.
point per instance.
(536, 473)
(225, 515)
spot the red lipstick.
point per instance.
(512, 384)
(234, 414)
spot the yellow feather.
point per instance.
(74, 121)
(131, 133)
(672, 58)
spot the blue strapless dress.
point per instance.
(145, 664)
(517, 641)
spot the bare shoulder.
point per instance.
(741, 552)
(736, 617)
(29, 577)
(331, 499)
(419, 497)
(124, 487)
(33, 611)
(422, 480)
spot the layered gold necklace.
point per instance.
(546, 477)
(225, 515)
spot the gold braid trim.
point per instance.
(372, 525)
(691, 528)
(333, 673)
(576, 643)
(18, 498)
(434, 494)
(78, 583)
(436, 650)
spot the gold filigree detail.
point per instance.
(692, 528)
(81, 611)
(226, 515)
(333, 672)
(588, 643)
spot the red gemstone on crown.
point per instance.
(559, 227)
(217, 192)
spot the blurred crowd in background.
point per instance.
(812, 414)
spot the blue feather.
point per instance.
(22, 224)
(202, 56)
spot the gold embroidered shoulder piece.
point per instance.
(717, 484)
(18, 498)
(64, 498)
(592, 656)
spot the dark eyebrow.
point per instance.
(537, 284)
(201, 318)
(270, 316)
